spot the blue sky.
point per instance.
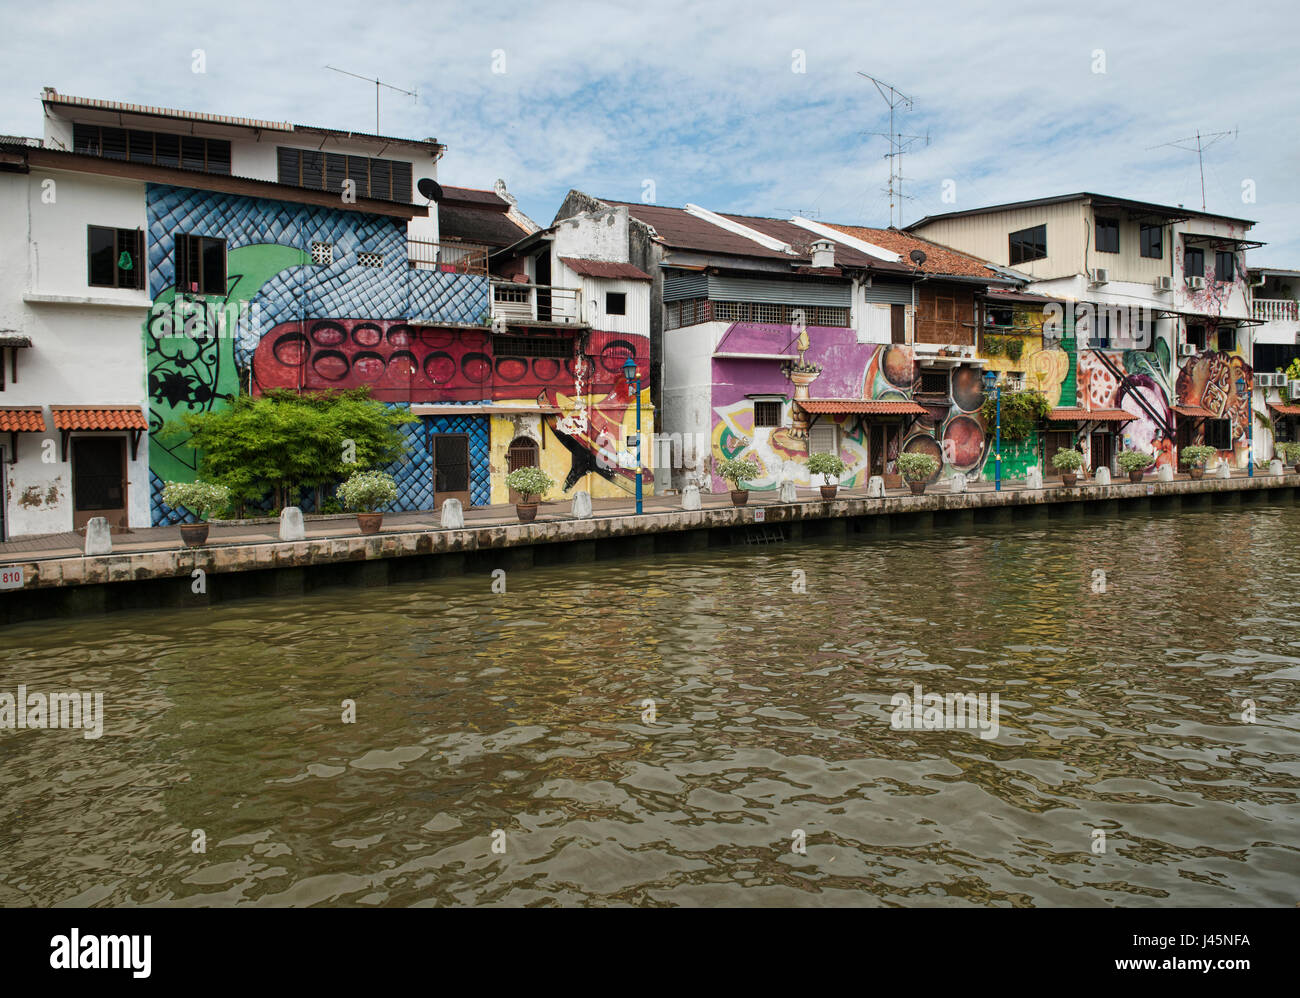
(705, 102)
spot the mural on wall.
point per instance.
(1209, 380)
(334, 318)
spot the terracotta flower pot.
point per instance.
(918, 488)
(194, 534)
(369, 522)
(1069, 478)
(739, 497)
(527, 511)
(1197, 472)
(828, 492)
(1136, 477)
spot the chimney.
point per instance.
(823, 253)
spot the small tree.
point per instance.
(366, 491)
(1021, 412)
(1067, 460)
(530, 482)
(917, 467)
(1195, 455)
(1130, 461)
(827, 465)
(737, 471)
(203, 499)
(1290, 452)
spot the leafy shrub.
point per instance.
(201, 498)
(1015, 347)
(737, 470)
(830, 465)
(1290, 452)
(1134, 460)
(1067, 460)
(366, 491)
(994, 346)
(917, 467)
(529, 482)
(1022, 411)
(1196, 455)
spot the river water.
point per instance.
(518, 722)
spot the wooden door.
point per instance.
(98, 480)
(522, 454)
(897, 324)
(450, 467)
(1103, 450)
(1056, 440)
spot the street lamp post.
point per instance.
(991, 384)
(1250, 426)
(634, 383)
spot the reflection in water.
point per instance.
(523, 712)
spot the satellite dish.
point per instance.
(917, 256)
(430, 190)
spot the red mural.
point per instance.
(405, 363)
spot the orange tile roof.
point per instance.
(865, 406)
(98, 417)
(22, 419)
(1067, 414)
(1193, 411)
(1285, 410)
(938, 259)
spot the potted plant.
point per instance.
(365, 492)
(736, 471)
(828, 466)
(1290, 453)
(1195, 456)
(1135, 463)
(1068, 462)
(203, 499)
(530, 483)
(917, 469)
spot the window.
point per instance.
(1227, 338)
(532, 346)
(933, 382)
(1225, 267)
(998, 317)
(200, 265)
(1100, 338)
(1194, 263)
(385, 179)
(191, 152)
(687, 312)
(1218, 434)
(1196, 336)
(767, 414)
(1153, 241)
(1107, 235)
(1028, 244)
(615, 303)
(115, 257)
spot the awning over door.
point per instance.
(88, 418)
(1193, 412)
(1070, 414)
(16, 419)
(861, 407)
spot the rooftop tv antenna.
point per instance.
(378, 83)
(898, 144)
(1203, 142)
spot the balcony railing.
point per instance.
(536, 303)
(1276, 308)
(452, 258)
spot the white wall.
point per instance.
(601, 235)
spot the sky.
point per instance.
(754, 108)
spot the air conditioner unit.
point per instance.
(1263, 380)
(1164, 284)
(1293, 389)
(1186, 350)
(1100, 276)
(1196, 283)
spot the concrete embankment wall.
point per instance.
(192, 577)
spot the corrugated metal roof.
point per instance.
(1102, 199)
(98, 417)
(603, 268)
(21, 419)
(876, 407)
(475, 196)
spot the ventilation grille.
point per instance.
(322, 254)
(370, 259)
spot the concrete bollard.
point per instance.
(453, 515)
(291, 525)
(1165, 473)
(582, 505)
(99, 536)
(1275, 467)
(1034, 478)
(1222, 470)
(1101, 476)
(788, 493)
(691, 497)
(876, 487)
(957, 483)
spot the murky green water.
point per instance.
(523, 712)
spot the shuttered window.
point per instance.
(192, 152)
(383, 179)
